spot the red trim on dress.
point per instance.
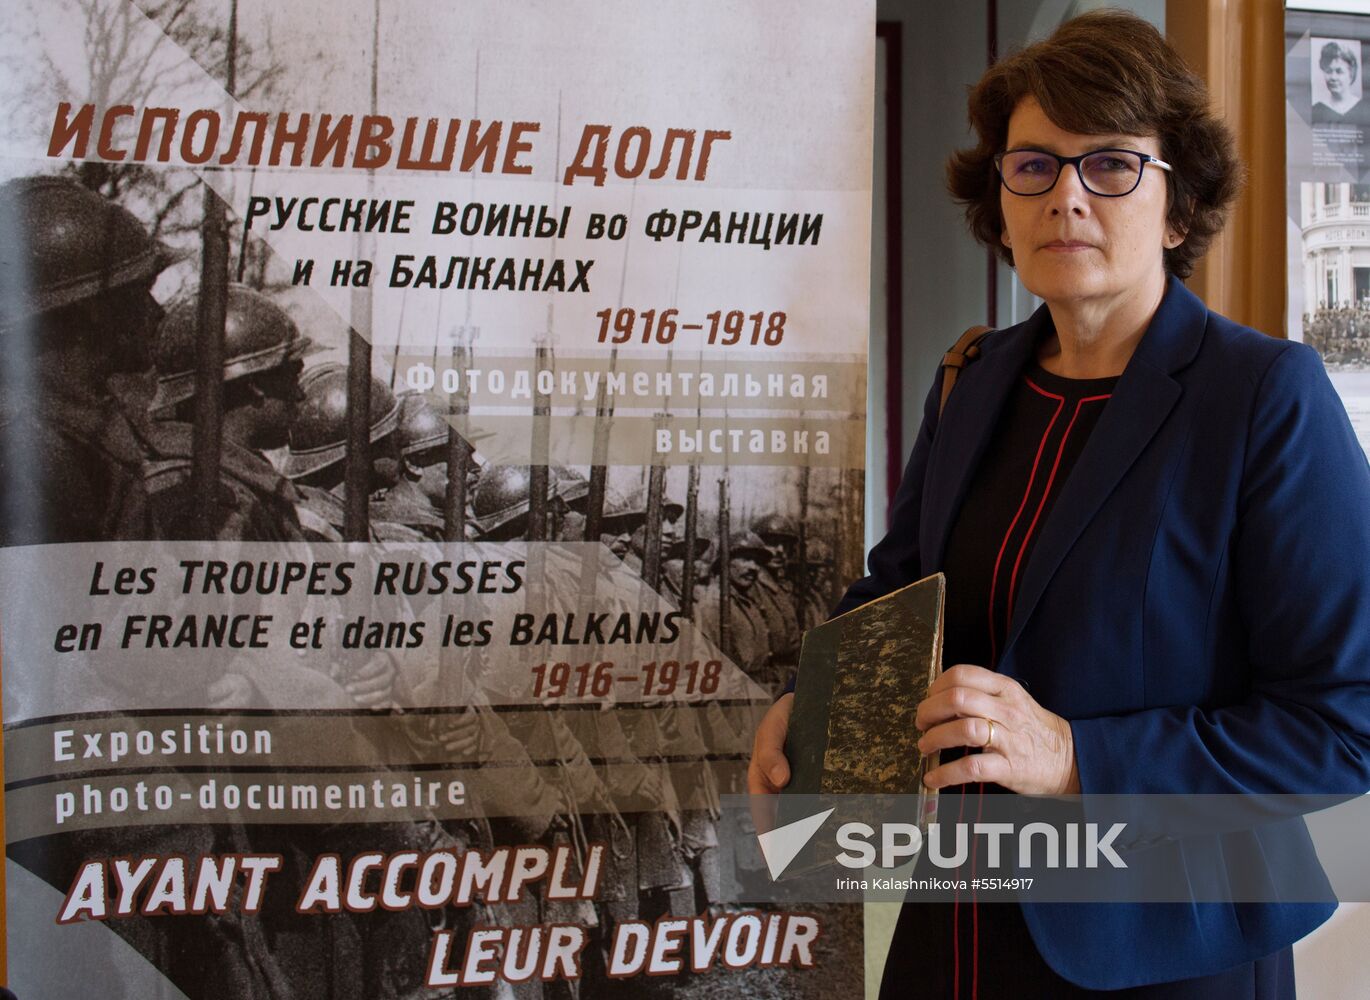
(994, 576)
(1060, 450)
(1008, 619)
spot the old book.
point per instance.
(861, 677)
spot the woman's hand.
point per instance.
(769, 771)
(1027, 750)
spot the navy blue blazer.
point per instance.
(1197, 605)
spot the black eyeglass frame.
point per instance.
(1074, 161)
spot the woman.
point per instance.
(1339, 67)
(1154, 527)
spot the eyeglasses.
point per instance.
(1109, 173)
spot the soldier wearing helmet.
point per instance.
(263, 359)
(76, 314)
(419, 496)
(749, 641)
(502, 499)
(625, 519)
(315, 464)
(671, 583)
(624, 530)
(77, 323)
(774, 589)
(570, 496)
(623, 514)
(780, 535)
(318, 448)
(818, 601)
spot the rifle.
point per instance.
(395, 357)
(724, 554)
(207, 438)
(687, 575)
(688, 571)
(656, 491)
(801, 580)
(538, 471)
(458, 460)
(599, 459)
(357, 470)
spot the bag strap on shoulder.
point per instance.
(963, 352)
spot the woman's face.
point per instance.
(1338, 77)
(1071, 246)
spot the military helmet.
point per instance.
(500, 506)
(817, 552)
(258, 335)
(702, 547)
(318, 437)
(62, 243)
(423, 425)
(501, 497)
(776, 526)
(625, 511)
(570, 486)
(744, 543)
(676, 550)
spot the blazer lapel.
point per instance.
(965, 429)
(1143, 398)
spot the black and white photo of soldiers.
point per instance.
(264, 355)
(78, 320)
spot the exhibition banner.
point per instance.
(1327, 128)
(426, 431)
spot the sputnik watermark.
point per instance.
(1076, 845)
(801, 849)
(900, 842)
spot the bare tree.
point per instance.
(128, 53)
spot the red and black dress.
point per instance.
(969, 949)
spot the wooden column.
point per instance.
(1237, 46)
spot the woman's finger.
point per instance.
(969, 732)
(972, 676)
(987, 767)
(956, 703)
(769, 771)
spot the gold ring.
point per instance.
(990, 741)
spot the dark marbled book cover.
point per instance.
(861, 677)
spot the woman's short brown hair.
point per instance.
(1106, 72)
